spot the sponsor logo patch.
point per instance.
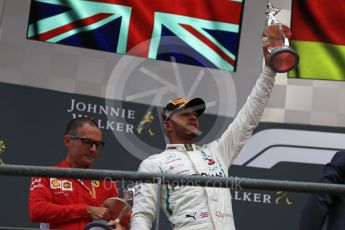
(55, 183)
(95, 183)
(67, 185)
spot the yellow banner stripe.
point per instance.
(319, 61)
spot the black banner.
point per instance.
(33, 122)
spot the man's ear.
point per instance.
(66, 140)
(167, 126)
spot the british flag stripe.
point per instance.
(200, 24)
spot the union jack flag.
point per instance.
(208, 29)
(204, 214)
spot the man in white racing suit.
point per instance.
(193, 207)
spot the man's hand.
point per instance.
(119, 227)
(116, 225)
(266, 55)
(98, 213)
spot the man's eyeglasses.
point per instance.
(88, 142)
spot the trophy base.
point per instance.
(98, 225)
(283, 59)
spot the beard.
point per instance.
(191, 132)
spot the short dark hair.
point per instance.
(78, 122)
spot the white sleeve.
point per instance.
(230, 143)
(145, 199)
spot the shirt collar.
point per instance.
(181, 147)
(64, 164)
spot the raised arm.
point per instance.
(234, 137)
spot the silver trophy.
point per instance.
(276, 38)
(120, 211)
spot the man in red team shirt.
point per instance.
(60, 203)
